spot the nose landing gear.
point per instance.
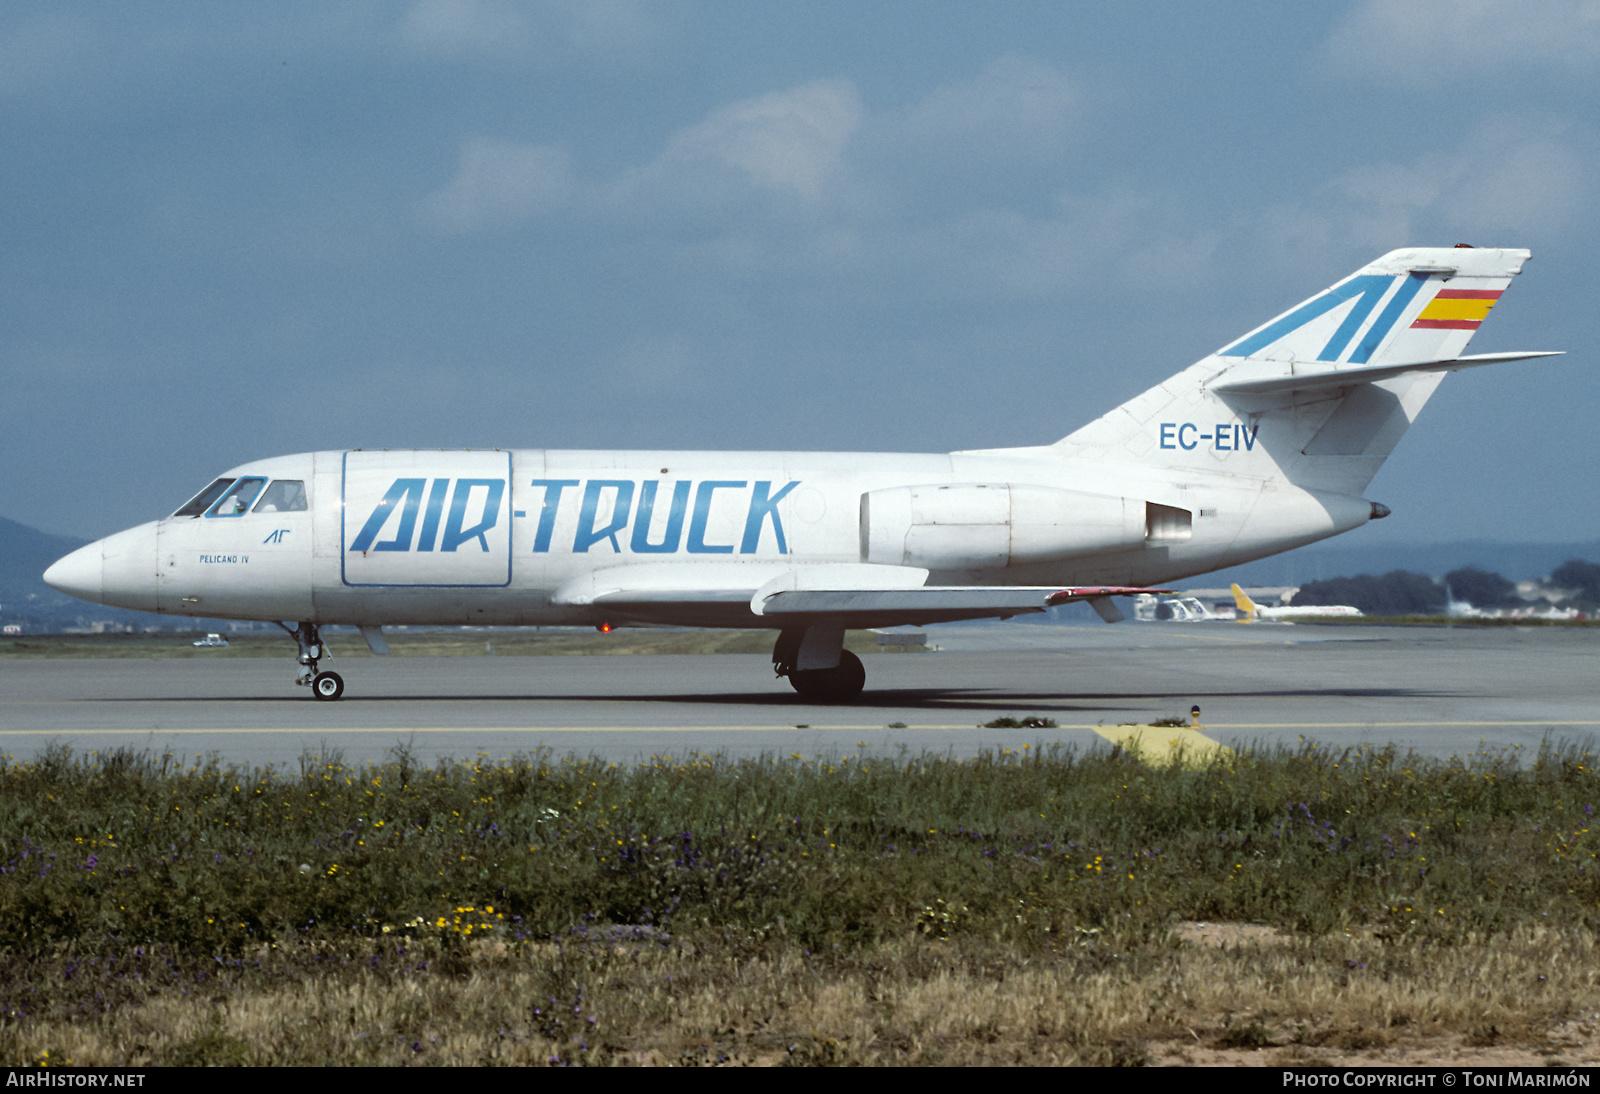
(325, 686)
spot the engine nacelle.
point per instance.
(991, 525)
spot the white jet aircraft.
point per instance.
(1261, 447)
(1251, 612)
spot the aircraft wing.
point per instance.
(837, 594)
(933, 604)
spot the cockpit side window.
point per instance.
(204, 499)
(236, 502)
(283, 496)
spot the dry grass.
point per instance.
(719, 999)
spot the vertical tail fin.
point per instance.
(1432, 298)
(1320, 395)
(1247, 607)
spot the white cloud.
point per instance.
(1511, 182)
(790, 141)
(1116, 240)
(1412, 42)
(787, 143)
(1017, 108)
(1517, 177)
(500, 185)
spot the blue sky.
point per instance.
(231, 234)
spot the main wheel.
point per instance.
(836, 685)
(328, 686)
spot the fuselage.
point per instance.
(531, 537)
(1311, 611)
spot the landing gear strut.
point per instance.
(325, 686)
(817, 664)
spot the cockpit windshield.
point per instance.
(233, 497)
(283, 496)
(204, 499)
(236, 501)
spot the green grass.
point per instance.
(142, 848)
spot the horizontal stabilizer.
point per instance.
(1237, 384)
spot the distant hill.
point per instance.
(25, 553)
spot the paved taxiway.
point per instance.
(1441, 691)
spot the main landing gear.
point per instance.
(817, 664)
(325, 686)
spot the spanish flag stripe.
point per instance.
(1457, 309)
(1446, 324)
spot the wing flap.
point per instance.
(985, 601)
(624, 597)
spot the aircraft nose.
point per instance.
(80, 574)
(119, 570)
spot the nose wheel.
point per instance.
(325, 686)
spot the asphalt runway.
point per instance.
(1439, 691)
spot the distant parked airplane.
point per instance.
(1263, 446)
(1251, 612)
